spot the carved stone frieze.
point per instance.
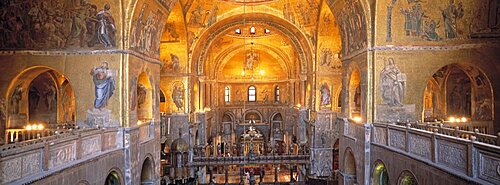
(452, 155)
(10, 170)
(143, 133)
(489, 167)
(91, 145)
(420, 146)
(32, 163)
(109, 140)
(397, 139)
(380, 136)
(322, 162)
(61, 155)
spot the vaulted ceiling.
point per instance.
(211, 37)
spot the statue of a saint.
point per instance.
(178, 97)
(325, 94)
(392, 84)
(104, 85)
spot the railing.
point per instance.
(470, 155)
(30, 160)
(19, 135)
(241, 160)
(457, 132)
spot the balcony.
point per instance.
(34, 155)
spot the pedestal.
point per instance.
(387, 113)
(101, 118)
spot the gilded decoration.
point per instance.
(147, 29)
(438, 21)
(58, 24)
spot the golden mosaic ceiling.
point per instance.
(224, 27)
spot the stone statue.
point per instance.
(16, 98)
(392, 84)
(178, 97)
(104, 85)
(325, 94)
(106, 27)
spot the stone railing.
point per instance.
(242, 160)
(146, 131)
(458, 132)
(19, 134)
(28, 161)
(462, 153)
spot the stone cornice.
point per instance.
(83, 52)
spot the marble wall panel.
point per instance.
(420, 146)
(62, 154)
(91, 145)
(489, 167)
(110, 140)
(452, 155)
(380, 136)
(397, 139)
(10, 170)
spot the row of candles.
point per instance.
(34, 127)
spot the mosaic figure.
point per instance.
(451, 14)
(104, 84)
(16, 98)
(106, 27)
(392, 84)
(325, 94)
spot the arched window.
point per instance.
(227, 93)
(252, 93)
(277, 94)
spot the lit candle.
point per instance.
(308, 113)
(168, 126)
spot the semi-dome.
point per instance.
(179, 145)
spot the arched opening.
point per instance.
(113, 178)
(147, 175)
(335, 160)
(40, 95)
(277, 94)
(277, 132)
(252, 94)
(252, 116)
(227, 94)
(42, 99)
(380, 175)
(144, 97)
(355, 95)
(407, 178)
(460, 93)
(433, 110)
(349, 167)
(163, 104)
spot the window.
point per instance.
(252, 93)
(227, 94)
(277, 94)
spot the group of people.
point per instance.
(55, 24)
